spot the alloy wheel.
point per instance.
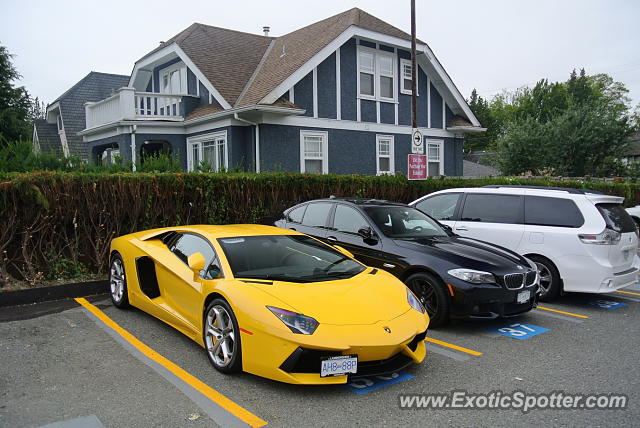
(116, 280)
(426, 294)
(220, 336)
(545, 277)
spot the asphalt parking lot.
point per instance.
(61, 363)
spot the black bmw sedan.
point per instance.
(452, 276)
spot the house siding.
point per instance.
(326, 90)
(350, 152)
(192, 83)
(404, 100)
(303, 94)
(387, 113)
(348, 84)
(436, 108)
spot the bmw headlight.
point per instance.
(473, 276)
(297, 323)
(414, 302)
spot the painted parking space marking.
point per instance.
(544, 308)
(221, 409)
(367, 384)
(558, 316)
(628, 292)
(520, 331)
(452, 346)
(437, 349)
(607, 304)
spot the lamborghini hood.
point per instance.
(361, 300)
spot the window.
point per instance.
(313, 152)
(377, 74)
(384, 154)
(348, 220)
(316, 214)
(296, 214)
(492, 208)
(404, 222)
(60, 125)
(435, 159)
(189, 244)
(440, 207)
(208, 152)
(173, 79)
(367, 73)
(558, 212)
(406, 73)
(616, 218)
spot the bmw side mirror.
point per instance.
(367, 234)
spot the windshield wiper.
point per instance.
(276, 277)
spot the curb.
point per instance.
(54, 292)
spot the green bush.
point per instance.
(75, 215)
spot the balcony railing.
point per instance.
(127, 104)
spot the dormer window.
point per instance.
(173, 79)
(60, 126)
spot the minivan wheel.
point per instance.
(430, 292)
(549, 278)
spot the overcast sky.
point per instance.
(490, 45)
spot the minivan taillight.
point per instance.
(607, 237)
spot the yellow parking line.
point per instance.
(563, 312)
(628, 292)
(233, 408)
(452, 346)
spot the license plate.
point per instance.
(523, 296)
(338, 366)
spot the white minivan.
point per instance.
(580, 240)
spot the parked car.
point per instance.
(271, 302)
(634, 212)
(581, 240)
(451, 275)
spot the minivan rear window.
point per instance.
(558, 212)
(617, 218)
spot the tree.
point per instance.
(15, 104)
(573, 128)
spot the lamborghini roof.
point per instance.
(219, 231)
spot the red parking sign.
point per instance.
(417, 167)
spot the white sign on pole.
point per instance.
(417, 144)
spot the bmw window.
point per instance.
(296, 214)
(404, 222)
(348, 220)
(316, 214)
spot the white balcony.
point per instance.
(127, 104)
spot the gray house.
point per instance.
(65, 117)
(332, 97)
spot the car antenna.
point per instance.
(332, 197)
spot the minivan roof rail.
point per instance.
(561, 189)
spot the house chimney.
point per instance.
(266, 29)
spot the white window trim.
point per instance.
(199, 139)
(377, 74)
(440, 143)
(392, 164)
(404, 61)
(325, 148)
(179, 66)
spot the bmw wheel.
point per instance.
(430, 292)
(118, 282)
(222, 337)
(549, 278)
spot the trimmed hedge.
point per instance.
(60, 224)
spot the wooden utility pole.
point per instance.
(414, 71)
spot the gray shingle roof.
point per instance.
(93, 87)
(48, 137)
(472, 169)
(229, 58)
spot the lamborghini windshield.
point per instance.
(294, 258)
(400, 222)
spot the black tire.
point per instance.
(118, 282)
(430, 291)
(234, 363)
(550, 282)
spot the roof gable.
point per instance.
(293, 50)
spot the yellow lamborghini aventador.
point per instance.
(269, 301)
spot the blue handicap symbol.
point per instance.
(367, 384)
(520, 331)
(607, 304)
